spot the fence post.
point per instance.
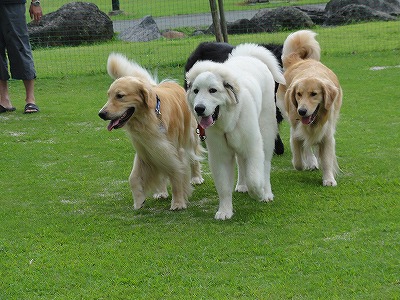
(215, 18)
(115, 5)
(223, 20)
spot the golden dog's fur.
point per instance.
(161, 127)
(311, 99)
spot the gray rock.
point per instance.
(143, 30)
(74, 23)
(354, 13)
(243, 26)
(387, 6)
(316, 14)
(283, 18)
(257, 1)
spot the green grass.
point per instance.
(68, 229)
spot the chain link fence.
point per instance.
(99, 28)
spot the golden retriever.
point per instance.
(311, 99)
(161, 127)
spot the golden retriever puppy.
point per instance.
(161, 127)
(311, 100)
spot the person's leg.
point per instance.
(4, 76)
(20, 53)
(30, 106)
(30, 91)
(4, 96)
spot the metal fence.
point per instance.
(181, 24)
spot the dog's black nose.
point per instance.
(103, 115)
(302, 111)
(200, 109)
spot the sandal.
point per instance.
(31, 108)
(5, 109)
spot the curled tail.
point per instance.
(266, 56)
(300, 45)
(119, 66)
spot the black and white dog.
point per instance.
(219, 52)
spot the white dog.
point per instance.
(234, 103)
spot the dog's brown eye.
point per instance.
(119, 96)
(195, 91)
(212, 91)
(313, 94)
(299, 94)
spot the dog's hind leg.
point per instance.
(269, 132)
(180, 182)
(196, 157)
(241, 186)
(279, 147)
(195, 167)
(162, 191)
(268, 147)
(268, 195)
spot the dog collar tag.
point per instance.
(158, 104)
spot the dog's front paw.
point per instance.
(223, 215)
(241, 188)
(138, 205)
(197, 180)
(311, 167)
(329, 182)
(160, 195)
(268, 197)
(311, 163)
(178, 205)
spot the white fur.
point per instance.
(246, 127)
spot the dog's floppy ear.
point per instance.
(331, 92)
(232, 92)
(144, 95)
(290, 97)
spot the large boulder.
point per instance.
(354, 13)
(283, 18)
(74, 23)
(267, 20)
(143, 30)
(387, 6)
(316, 13)
(242, 26)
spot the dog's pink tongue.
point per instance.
(306, 120)
(206, 121)
(112, 124)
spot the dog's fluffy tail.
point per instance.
(300, 45)
(266, 56)
(119, 66)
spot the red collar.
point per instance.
(201, 132)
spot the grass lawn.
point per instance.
(69, 231)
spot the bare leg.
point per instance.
(30, 94)
(4, 96)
